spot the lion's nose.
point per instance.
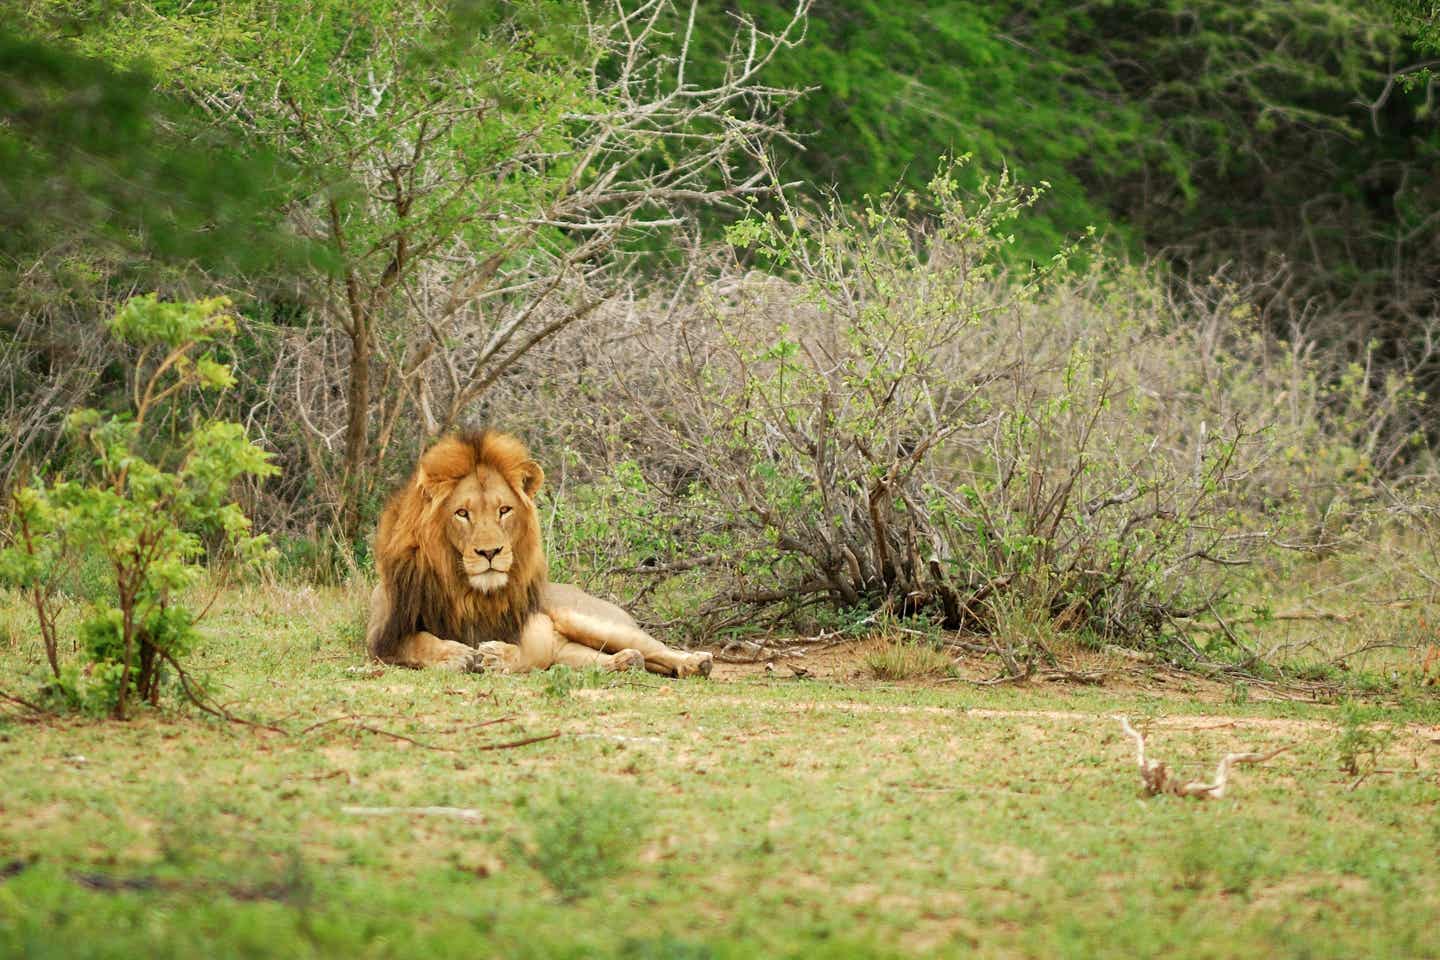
(489, 554)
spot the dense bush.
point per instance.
(895, 418)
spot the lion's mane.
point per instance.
(421, 571)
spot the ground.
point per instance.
(754, 814)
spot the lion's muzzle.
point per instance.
(488, 569)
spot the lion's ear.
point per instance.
(531, 478)
(430, 488)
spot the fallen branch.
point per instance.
(1156, 778)
(218, 710)
(458, 813)
(519, 743)
(20, 701)
(400, 736)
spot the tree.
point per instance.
(482, 176)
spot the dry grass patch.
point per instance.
(886, 659)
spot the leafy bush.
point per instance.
(902, 421)
(157, 484)
(583, 836)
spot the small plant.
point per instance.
(906, 660)
(158, 482)
(561, 681)
(584, 835)
(1362, 740)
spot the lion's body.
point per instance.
(463, 581)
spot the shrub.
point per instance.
(159, 481)
(583, 835)
(895, 419)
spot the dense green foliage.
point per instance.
(1264, 138)
(97, 160)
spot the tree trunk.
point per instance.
(357, 422)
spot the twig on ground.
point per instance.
(519, 743)
(214, 709)
(1156, 778)
(458, 813)
(400, 736)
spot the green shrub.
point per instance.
(1363, 739)
(584, 835)
(156, 491)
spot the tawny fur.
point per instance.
(430, 609)
(421, 573)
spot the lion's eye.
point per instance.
(504, 510)
(463, 514)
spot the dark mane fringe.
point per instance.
(424, 584)
(419, 601)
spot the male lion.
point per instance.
(463, 581)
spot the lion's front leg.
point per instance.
(425, 650)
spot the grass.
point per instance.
(888, 659)
(751, 817)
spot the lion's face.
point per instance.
(483, 515)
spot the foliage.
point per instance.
(1420, 19)
(1253, 138)
(156, 485)
(896, 418)
(1364, 737)
(478, 171)
(94, 152)
(584, 834)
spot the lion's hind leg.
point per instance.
(542, 646)
(607, 635)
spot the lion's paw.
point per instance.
(490, 657)
(452, 656)
(696, 665)
(626, 660)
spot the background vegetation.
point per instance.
(1020, 319)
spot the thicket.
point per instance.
(891, 416)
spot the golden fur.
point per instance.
(419, 569)
(463, 581)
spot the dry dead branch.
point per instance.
(1156, 778)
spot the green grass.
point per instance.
(756, 817)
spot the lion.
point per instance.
(463, 580)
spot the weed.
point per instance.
(584, 834)
(1362, 739)
(906, 660)
(560, 681)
